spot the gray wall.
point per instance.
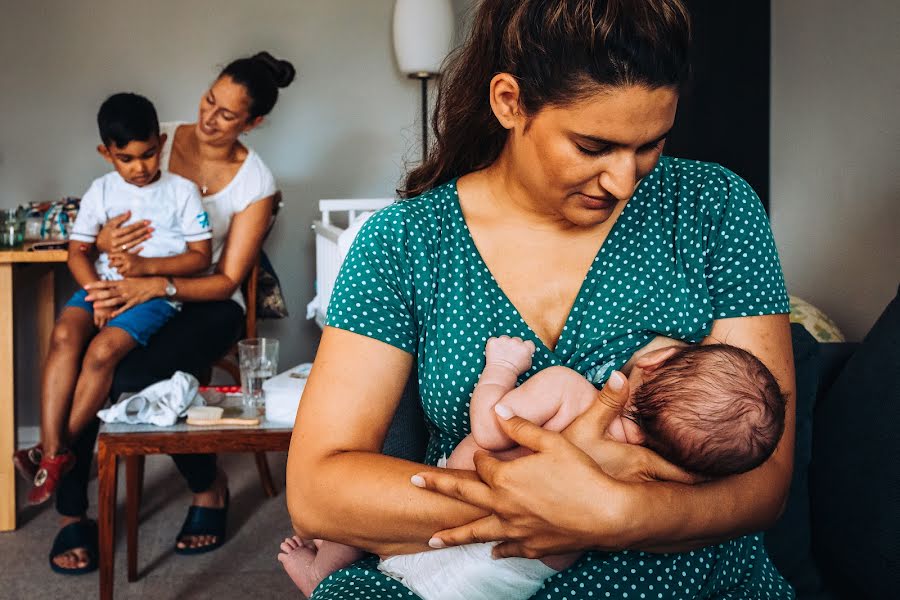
(343, 129)
(835, 154)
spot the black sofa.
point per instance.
(839, 536)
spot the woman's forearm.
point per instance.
(691, 516)
(366, 500)
(207, 288)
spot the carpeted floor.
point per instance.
(245, 567)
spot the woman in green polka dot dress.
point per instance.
(547, 212)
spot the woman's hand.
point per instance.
(554, 501)
(123, 294)
(114, 237)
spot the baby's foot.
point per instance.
(298, 560)
(509, 351)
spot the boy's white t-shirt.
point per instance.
(252, 183)
(172, 204)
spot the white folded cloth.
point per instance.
(160, 404)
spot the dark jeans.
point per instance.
(197, 336)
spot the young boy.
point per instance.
(712, 410)
(87, 344)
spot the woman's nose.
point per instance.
(619, 178)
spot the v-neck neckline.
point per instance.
(593, 269)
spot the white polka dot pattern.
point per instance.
(691, 246)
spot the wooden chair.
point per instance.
(134, 465)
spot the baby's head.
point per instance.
(712, 410)
(132, 144)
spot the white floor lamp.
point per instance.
(423, 34)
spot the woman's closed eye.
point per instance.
(606, 149)
(594, 151)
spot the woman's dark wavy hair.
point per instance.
(261, 75)
(559, 51)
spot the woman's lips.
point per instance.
(207, 130)
(597, 203)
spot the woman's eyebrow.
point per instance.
(604, 142)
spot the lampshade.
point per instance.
(423, 33)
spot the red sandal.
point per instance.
(28, 460)
(50, 471)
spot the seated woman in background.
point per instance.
(546, 212)
(237, 190)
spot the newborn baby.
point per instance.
(712, 410)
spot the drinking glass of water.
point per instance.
(259, 361)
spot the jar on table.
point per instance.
(12, 227)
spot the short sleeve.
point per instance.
(256, 182)
(194, 219)
(373, 292)
(743, 272)
(91, 215)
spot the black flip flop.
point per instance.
(82, 534)
(204, 521)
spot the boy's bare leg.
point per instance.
(308, 564)
(105, 351)
(71, 334)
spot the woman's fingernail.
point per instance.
(504, 412)
(436, 543)
(616, 381)
(417, 480)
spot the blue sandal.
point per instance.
(204, 521)
(82, 534)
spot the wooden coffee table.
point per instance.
(134, 441)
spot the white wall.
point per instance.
(343, 129)
(835, 154)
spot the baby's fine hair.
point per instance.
(713, 410)
(125, 118)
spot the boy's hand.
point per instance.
(128, 264)
(102, 317)
(510, 352)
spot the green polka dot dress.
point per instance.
(691, 246)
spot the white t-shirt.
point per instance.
(172, 205)
(252, 183)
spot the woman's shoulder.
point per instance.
(705, 190)
(419, 217)
(253, 182)
(169, 127)
(702, 179)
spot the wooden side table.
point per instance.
(133, 442)
(17, 264)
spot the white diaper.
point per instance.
(467, 573)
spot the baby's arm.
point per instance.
(552, 399)
(81, 262)
(195, 259)
(505, 359)
(656, 343)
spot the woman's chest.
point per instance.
(617, 304)
(211, 176)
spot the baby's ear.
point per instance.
(653, 360)
(104, 152)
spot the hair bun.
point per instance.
(282, 71)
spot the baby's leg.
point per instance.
(505, 359)
(72, 332)
(308, 564)
(106, 350)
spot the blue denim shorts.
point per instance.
(140, 322)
